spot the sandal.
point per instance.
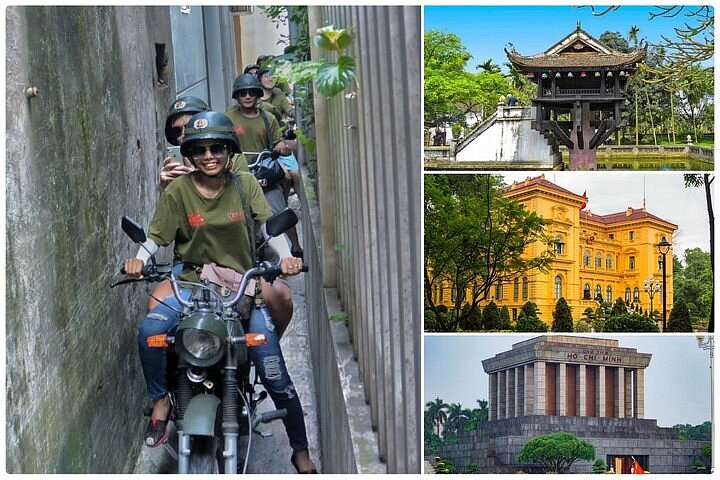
(292, 460)
(156, 431)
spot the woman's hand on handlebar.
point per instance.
(133, 267)
(291, 266)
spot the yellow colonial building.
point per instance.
(597, 257)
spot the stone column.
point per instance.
(561, 390)
(501, 395)
(628, 393)
(510, 393)
(492, 413)
(581, 391)
(529, 400)
(620, 393)
(600, 392)
(639, 393)
(539, 388)
(519, 391)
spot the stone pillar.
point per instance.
(639, 393)
(581, 391)
(620, 393)
(510, 393)
(539, 388)
(628, 393)
(501, 395)
(492, 379)
(519, 391)
(561, 390)
(600, 392)
(529, 401)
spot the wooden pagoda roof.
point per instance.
(578, 50)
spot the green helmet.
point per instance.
(210, 125)
(247, 81)
(182, 106)
(251, 67)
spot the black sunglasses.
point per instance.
(176, 132)
(199, 151)
(246, 91)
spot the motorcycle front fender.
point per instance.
(200, 415)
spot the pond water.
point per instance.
(649, 162)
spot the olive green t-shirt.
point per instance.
(270, 108)
(280, 100)
(239, 163)
(252, 132)
(208, 230)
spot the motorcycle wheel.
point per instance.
(203, 457)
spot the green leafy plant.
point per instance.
(339, 317)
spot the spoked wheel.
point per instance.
(203, 458)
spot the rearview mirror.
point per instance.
(133, 230)
(281, 222)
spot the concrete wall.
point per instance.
(510, 138)
(81, 154)
(369, 245)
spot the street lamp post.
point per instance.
(664, 248)
(651, 286)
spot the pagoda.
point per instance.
(586, 79)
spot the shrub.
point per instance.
(562, 318)
(630, 322)
(491, 317)
(504, 318)
(679, 320)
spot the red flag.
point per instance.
(582, 207)
(636, 468)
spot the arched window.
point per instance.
(499, 290)
(586, 292)
(598, 260)
(608, 294)
(516, 289)
(660, 263)
(558, 287)
(608, 262)
(453, 293)
(586, 258)
(598, 293)
(627, 295)
(632, 263)
(442, 293)
(559, 245)
(525, 288)
(636, 294)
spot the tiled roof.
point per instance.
(576, 60)
(631, 214)
(577, 50)
(540, 181)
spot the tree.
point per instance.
(489, 67)
(437, 411)
(618, 307)
(679, 320)
(456, 420)
(528, 320)
(562, 318)
(704, 180)
(504, 318)
(475, 238)
(630, 322)
(471, 319)
(491, 317)
(556, 452)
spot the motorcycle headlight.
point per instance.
(200, 339)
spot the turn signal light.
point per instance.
(157, 341)
(254, 339)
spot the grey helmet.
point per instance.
(182, 106)
(249, 82)
(210, 125)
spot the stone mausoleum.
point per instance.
(590, 387)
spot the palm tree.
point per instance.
(489, 67)
(436, 412)
(633, 35)
(455, 419)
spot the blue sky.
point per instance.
(486, 30)
(677, 382)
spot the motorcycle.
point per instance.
(208, 370)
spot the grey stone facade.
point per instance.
(591, 388)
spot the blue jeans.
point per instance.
(268, 360)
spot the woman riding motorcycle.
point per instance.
(202, 212)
